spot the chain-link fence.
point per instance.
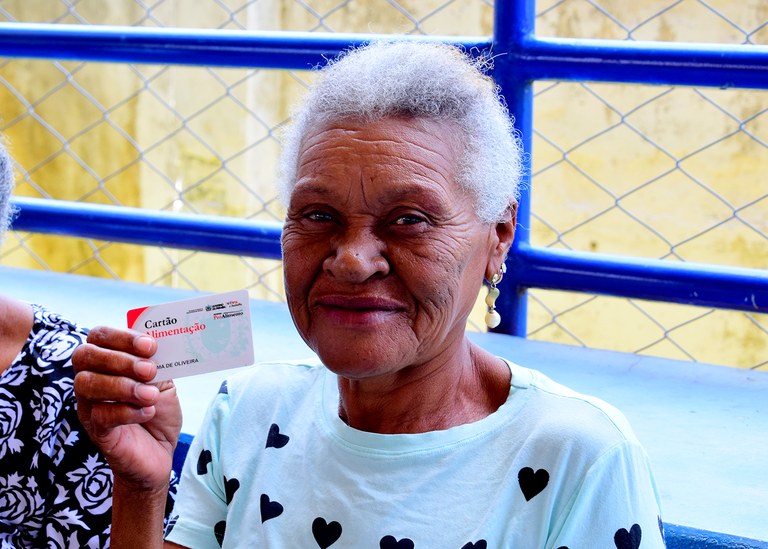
(650, 171)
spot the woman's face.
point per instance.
(383, 252)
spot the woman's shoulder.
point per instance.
(54, 337)
(267, 377)
(570, 414)
(46, 356)
(266, 389)
(48, 320)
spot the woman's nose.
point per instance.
(356, 256)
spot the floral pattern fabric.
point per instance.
(55, 486)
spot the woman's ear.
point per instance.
(504, 234)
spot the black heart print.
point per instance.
(275, 439)
(230, 487)
(219, 530)
(532, 483)
(202, 462)
(390, 542)
(269, 509)
(628, 540)
(480, 544)
(326, 533)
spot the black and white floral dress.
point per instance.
(55, 486)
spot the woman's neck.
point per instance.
(463, 388)
(16, 320)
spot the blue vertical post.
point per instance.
(514, 22)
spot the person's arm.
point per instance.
(137, 517)
(135, 425)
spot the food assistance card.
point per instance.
(198, 335)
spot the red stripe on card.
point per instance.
(134, 314)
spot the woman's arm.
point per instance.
(137, 517)
(134, 423)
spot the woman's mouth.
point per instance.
(357, 311)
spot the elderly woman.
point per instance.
(400, 177)
(55, 486)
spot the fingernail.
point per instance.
(147, 411)
(143, 344)
(143, 368)
(147, 392)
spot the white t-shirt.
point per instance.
(273, 466)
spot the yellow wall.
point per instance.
(636, 170)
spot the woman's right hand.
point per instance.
(135, 424)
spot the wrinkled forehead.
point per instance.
(430, 134)
(386, 155)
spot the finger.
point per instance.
(95, 388)
(164, 386)
(84, 413)
(127, 341)
(102, 418)
(90, 357)
(106, 416)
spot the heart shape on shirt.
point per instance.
(480, 544)
(230, 487)
(390, 542)
(219, 530)
(203, 460)
(275, 439)
(532, 483)
(326, 533)
(628, 540)
(269, 509)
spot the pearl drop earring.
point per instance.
(492, 317)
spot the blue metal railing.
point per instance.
(203, 233)
(531, 58)
(521, 58)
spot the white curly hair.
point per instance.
(419, 79)
(6, 187)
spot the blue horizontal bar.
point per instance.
(684, 537)
(689, 283)
(673, 63)
(641, 278)
(690, 64)
(202, 47)
(215, 234)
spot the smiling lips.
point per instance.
(357, 310)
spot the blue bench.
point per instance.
(704, 426)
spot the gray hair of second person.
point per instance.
(6, 187)
(419, 79)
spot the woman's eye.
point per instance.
(409, 220)
(323, 217)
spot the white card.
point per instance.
(198, 335)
